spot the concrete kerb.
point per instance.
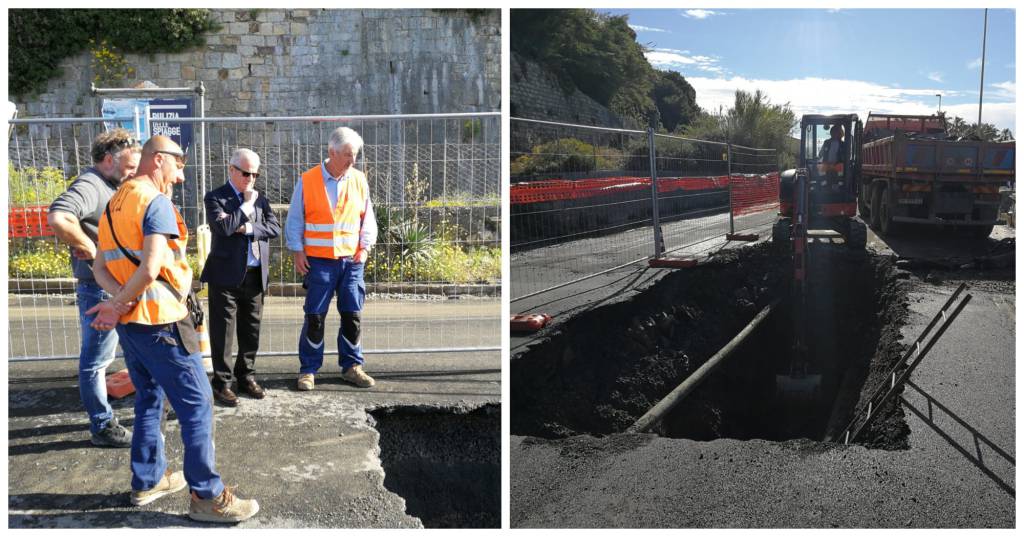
(67, 286)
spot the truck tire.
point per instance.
(781, 234)
(856, 235)
(863, 199)
(876, 207)
(888, 226)
(981, 232)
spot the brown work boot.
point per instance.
(357, 376)
(225, 396)
(305, 382)
(224, 508)
(169, 484)
(251, 388)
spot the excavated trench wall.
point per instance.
(445, 463)
(606, 368)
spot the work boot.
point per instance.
(169, 484)
(225, 396)
(305, 382)
(356, 376)
(224, 508)
(112, 435)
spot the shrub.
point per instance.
(567, 155)
(40, 259)
(35, 186)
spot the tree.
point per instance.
(960, 129)
(753, 121)
(675, 99)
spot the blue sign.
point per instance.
(131, 114)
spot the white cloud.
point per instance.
(834, 96)
(975, 63)
(683, 61)
(638, 28)
(1005, 90)
(935, 76)
(700, 13)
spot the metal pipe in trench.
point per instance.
(676, 396)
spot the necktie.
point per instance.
(254, 246)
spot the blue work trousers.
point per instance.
(325, 279)
(160, 367)
(96, 353)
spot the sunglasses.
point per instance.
(180, 158)
(254, 175)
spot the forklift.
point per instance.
(818, 200)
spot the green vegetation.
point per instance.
(35, 186)
(39, 258)
(599, 54)
(958, 128)
(567, 155)
(753, 121)
(39, 39)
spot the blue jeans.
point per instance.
(96, 354)
(327, 278)
(159, 366)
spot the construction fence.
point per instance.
(435, 182)
(587, 200)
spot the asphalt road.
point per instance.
(958, 472)
(312, 460)
(47, 325)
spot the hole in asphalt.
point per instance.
(445, 464)
(605, 368)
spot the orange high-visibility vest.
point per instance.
(157, 304)
(333, 232)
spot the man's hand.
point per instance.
(87, 253)
(250, 196)
(301, 263)
(241, 229)
(106, 315)
(361, 256)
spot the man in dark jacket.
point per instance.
(241, 224)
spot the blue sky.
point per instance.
(847, 60)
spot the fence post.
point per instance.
(201, 206)
(659, 244)
(728, 171)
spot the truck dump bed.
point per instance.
(917, 158)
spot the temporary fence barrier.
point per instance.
(434, 183)
(587, 200)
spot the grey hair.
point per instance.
(343, 136)
(240, 153)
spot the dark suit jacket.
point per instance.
(229, 250)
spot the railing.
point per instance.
(586, 200)
(434, 182)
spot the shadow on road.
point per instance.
(971, 453)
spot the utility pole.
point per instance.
(939, 95)
(981, 88)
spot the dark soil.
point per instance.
(445, 464)
(606, 368)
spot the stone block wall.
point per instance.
(316, 62)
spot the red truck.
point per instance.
(911, 173)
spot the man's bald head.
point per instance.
(161, 143)
(163, 162)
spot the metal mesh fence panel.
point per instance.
(435, 186)
(753, 187)
(580, 203)
(693, 197)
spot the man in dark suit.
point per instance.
(242, 224)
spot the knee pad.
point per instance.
(350, 321)
(315, 327)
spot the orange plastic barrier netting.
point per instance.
(752, 193)
(567, 189)
(28, 222)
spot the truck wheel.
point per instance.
(856, 235)
(876, 207)
(781, 234)
(981, 232)
(888, 226)
(863, 199)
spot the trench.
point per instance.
(604, 369)
(445, 463)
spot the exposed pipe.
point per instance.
(676, 396)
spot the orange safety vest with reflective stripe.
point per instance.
(333, 233)
(157, 304)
